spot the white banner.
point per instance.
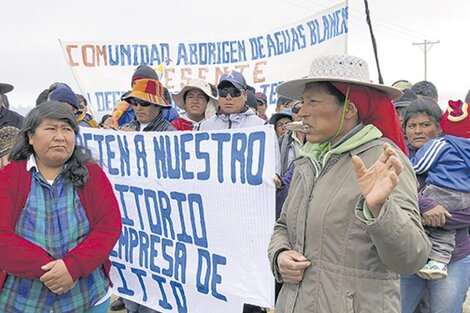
(103, 70)
(198, 211)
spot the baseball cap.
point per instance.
(261, 97)
(235, 78)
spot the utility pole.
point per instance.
(426, 43)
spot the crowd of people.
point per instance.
(372, 190)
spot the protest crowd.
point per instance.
(372, 190)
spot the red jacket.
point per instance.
(23, 258)
(182, 124)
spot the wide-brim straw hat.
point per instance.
(335, 68)
(195, 83)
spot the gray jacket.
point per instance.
(237, 120)
(355, 262)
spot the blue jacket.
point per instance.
(447, 161)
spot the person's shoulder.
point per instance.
(461, 140)
(169, 126)
(17, 164)
(14, 169)
(131, 124)
(435, 143)
(254, 119)
(93, 167)
(209, 123)
(17, 115)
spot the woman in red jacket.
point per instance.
(59, 220)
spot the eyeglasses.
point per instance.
(137, 101)
(234, 92)
(296, 109)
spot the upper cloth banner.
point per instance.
(103, 70)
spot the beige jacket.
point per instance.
(355, 262)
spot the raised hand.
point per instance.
(378, 181)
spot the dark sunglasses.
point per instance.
(136, 102)
(296, 109)
(234, 92)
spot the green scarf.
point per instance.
(319, 153)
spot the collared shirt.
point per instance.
(54, 219)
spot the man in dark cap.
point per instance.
(8, 117)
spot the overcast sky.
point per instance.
(32, 58)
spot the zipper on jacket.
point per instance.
(310, 196)
(318, 174)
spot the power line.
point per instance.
(382, 26)
(425, 50)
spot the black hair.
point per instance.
(81, 98)
(74, 170)
(167, 95)
(281, 100)
(251, 100)
(423, 105)
(186, 93)
(250, 88)
(103, 119)
(5, 101)
(425, 88)
(332, 90)
(42, 97)
(214, 90)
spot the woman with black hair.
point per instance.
(59, 220)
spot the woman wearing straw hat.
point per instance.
(350, 224)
